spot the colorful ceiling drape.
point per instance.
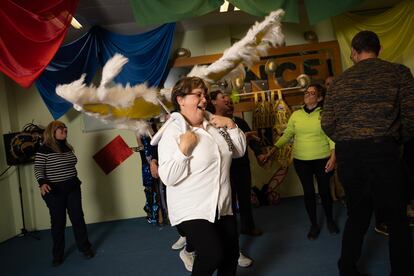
(394, 28)
(147, 53)
(30, 34)
(264, 7)
(150, 12)
(324, 9)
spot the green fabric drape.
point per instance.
(264, 7)
(155, 12)
(394, 28)
(324, 9)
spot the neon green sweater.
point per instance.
(310, 142)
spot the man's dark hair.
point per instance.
(366, 41)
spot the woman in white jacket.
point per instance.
(195, 155)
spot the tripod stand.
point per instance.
(23, 230)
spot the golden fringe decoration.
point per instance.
(282, 112)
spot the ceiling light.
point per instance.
(224, 7)
(75, 23)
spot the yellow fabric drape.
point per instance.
(394, 28)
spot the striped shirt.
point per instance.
(372, 99)
(54, 167)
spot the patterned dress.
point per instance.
(155, 206)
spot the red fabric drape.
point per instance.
(30, 34)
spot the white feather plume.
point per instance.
(110, 70)
(166, 92)
(255, 44)
(118, 96)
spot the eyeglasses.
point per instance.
(199, 95)
(311, 93)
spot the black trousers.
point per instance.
(58, 200)
(241, 182)
(408, 157)
(371, 172)
(216, 245)
(188, 246)
(306, 170)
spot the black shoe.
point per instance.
(89, 254)
(253, 232)
(57, 261)
(314, 232)
(332, 227)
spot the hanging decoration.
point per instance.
(129, 107)
(31, 33)
(150, 12)
(281, 113)
(126, 107)
(147, 54)
(394, 28)
(113, 154)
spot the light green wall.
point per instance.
(10, 217)
(118, 195)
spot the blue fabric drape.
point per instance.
(147, 53)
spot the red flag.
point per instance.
(113, 154)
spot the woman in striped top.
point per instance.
(59, 185)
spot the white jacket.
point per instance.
(199, 184)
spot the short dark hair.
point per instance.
(319, 88)
(184, 87)
(212, 96)
(366, 41)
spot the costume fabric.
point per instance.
(155, 205)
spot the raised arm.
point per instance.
(173, 157)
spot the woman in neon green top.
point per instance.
(314, 155)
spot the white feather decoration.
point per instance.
(258, 40)
(255, 44)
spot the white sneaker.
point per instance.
(244, 261)
(188, 259)
(179, 244)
